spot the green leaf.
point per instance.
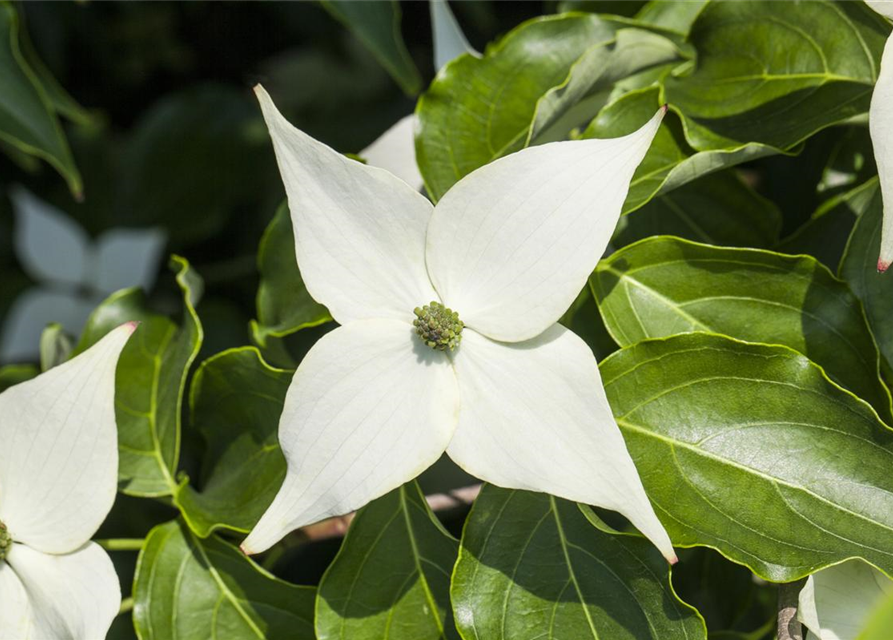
(533, 566)
(670, 161)
(776, 73)
(236, 399)
(880, 623)
(825, 234)
(391, 578)
(377, 25)
(194, 589)
(859, 268)
(678, 16)
(664, 286)
(479, 109)
(150, 381)
(28, 120)
(752, 450)
(55, 346)
(13, 374)
(193, 160)
(283, 304)
(716, 209)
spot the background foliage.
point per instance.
(741, 321)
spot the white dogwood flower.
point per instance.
(880, 124)
(836, 603)
(449, 338)
(58, 478)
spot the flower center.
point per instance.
(438, 326)
(5, 542)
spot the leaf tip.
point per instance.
(882, 265)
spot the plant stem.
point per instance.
(789, 628)
(126, 606)
(121, 544)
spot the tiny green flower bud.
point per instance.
(5, 542)
(438, 327)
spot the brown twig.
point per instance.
(789, 628)
(440, 503)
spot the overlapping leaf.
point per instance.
(28, 121)
(196, 589)
(236, 399)
(775, 73)
(532, 566)
(150, 381)
(664, 286)
(377, 25)
(825, 234)
(750, 449)
(716, 209)
(479, 109)
(858, 267)
(283, 304)
(391, 578)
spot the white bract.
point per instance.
(58, 478)
(836, 603)
(519, 403)
(880, 123)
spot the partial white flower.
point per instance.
(520, 402)
(74, 273)
(836, 603)
(58, 478)
(880, 123)
(394, 150)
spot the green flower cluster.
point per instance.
(439, 327)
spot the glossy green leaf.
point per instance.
(283, 304)
(28, 119)
(826, 233)
(859, 268)
(523, 86)
(678, 16)
(750, 449)
(236, 399)
(150, 381)
(716, 209)
(670, 161)
(532, 566)
(777, 72)
(193, 589)
(391, 578)
(377, 25)
(664, 286)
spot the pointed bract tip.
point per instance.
(671, 558)
(244, 549)
(131, 326)
(664, 107)
(882, 265)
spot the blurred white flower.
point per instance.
(74, 273)
(519, 402)
(836, 603)
(58, 478)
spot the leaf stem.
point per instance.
(126, 606)
(789, 628)
(121, 544)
